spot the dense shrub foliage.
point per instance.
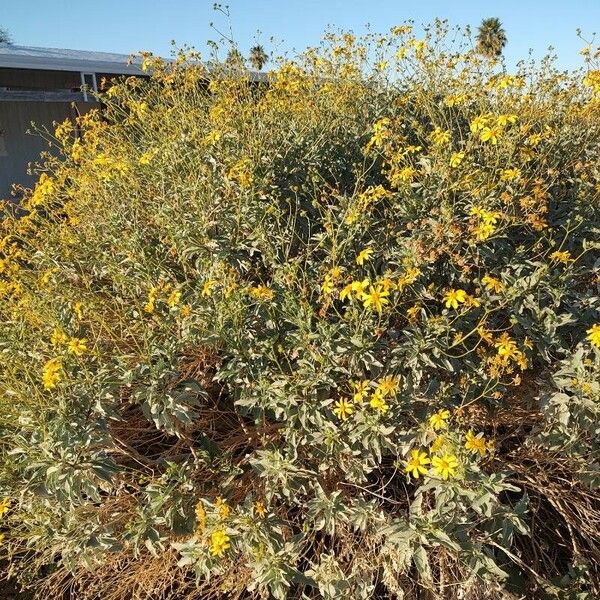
(334, 336)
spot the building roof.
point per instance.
(60, 59)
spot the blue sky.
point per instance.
(131, 25)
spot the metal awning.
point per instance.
(60, 59)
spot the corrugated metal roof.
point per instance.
(62, 59)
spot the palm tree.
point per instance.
(234, 58)
(5, 37)
(491, 38)
(258, 57)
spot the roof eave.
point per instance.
(87, 66)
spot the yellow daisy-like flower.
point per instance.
(594, 335)
(507, 347)
(456, 159)
(417, 465)
(260, 509)
(439, 420)
(378, 402)
(453, 298)
(328, 286)
(492, 284)
(475, 443)
(208, 287)
(375, 298)
(359, 287)
(343, 409)
(438, 444)
(364, 255)
(52, 373)
(346, 292)
(510, 174)
(412, 313)
(77, 346)
(219, 543)
(4, 506)
(445, 466)
(261, 292)
(388, 385)
(200, 517)
(563, 257)
(223, 508)
(59, 337)
(78, 310)
(174, 298)
(490, 134)
(361, 390)
(483, 231)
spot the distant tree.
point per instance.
(234, 58)
(5, 37)
(491, 38)
(258, 57)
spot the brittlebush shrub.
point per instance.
(330, 335)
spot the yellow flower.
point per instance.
(260, 509)
(375, 298)
(378, 402)
(359, 287)
(207, 288)
(475, 443)
(485, 335)
(77, 346)
(78, 310)
(490, 134)
(504, 120)
(219, 542)
(507, 348)
(4, 506)
(328, 285)
(59, 337)
(335, 273)
(174, 298)
(406, 174)
(594, 335)
(361, 389)
(439, 136)
(483, 231)
(417, 465)
(223, 508)
(52, 373)
(200, 517)
(492, 284)
(438, 443)
(262, 292)
(478, 123)
(445, 466)
(453, 298)
(388, 385)
(149, 307)
(346, 292)
(363, 255)
(146, 158)
(472, 301)
(510, 174)
(558, 256)
(456, 159)
(439, 420)
(412, 313)
(343, 409)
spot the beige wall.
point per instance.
(17, 148)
